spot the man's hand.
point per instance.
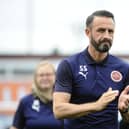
(106, 98)
(123, 103)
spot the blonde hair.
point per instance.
(44, 63)
(35, 90)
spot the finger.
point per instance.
(110, 98)
(126, 103)
(126, 90)
(112, 93)
(109, 89)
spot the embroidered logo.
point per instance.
(116, 76)
(36, 105)
(83, 71)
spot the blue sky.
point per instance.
(39, 26)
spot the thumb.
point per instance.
(109, 89)
(126, 90)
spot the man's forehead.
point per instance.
(103, 21)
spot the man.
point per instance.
(93, 85)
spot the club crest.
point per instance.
(116, 76)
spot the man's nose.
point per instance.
(107, 35)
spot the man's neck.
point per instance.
(97, 56)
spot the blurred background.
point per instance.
(33, 30)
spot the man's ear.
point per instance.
(87, 32)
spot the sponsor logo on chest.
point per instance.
(83, 71)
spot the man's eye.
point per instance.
(101, 30)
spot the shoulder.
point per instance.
(118, 64)
(27, 99)
(73, 59)
(119, 61)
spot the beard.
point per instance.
(102, 45)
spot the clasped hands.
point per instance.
(110, 95)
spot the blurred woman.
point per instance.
(35, 110)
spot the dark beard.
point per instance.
(102, 46)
